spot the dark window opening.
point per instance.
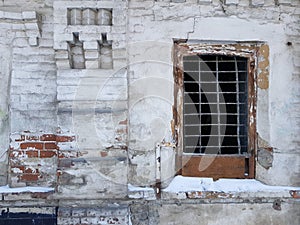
(24, 218)
(215, 104)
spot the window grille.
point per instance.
(215, 104)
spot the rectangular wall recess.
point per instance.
(89, 16)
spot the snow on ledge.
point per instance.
(135, 188)
(189, 184)
(6, 189)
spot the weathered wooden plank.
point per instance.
(214, 166)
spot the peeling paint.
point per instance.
(263, 67)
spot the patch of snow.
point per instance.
(7, 189)
(135, 188)
(187, 184)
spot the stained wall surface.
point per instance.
(86, 106)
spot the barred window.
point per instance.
(215, 104)
(214, 107)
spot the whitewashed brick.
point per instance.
(17, 26)
(60, 54)
(141, 4)
(63, 64)
(61, 45)
(178, 1)
(94, 64)
(119, 63)
(285, 1)
(46, 42)
(119, 53)
(91, 54)
(31, 26)
(33, 41)
(231, 2)
(205, 1)
(29, 15)
(13, 15)
(20, 42)
(140, 12)
(257, 2)
(90, 45)
(119, 29)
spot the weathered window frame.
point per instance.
(216, 166)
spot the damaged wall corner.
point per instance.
(264, 154)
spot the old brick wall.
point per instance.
(87, 95)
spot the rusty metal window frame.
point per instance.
(215, 165)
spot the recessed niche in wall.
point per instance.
(89, 16)
(76, 53)
(105, 60)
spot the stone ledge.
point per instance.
(26, 15)
(206, 188)
(141, 193)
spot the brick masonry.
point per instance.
(34, 158)
(79, 107)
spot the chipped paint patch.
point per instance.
(263, 67)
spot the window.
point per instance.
(215, 110)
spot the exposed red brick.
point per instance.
(48, 137)
(65, 138)
(103, 154)
(37, 145)
(47, 154)
(29, 177)
(295, 194)
(50, 145)
(28, 153)
(32, 153)
(58, 173)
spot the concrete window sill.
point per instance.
(8, 194)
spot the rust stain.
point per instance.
(295, 194)
(42, 195)
(124, 122)
(263, 80)
(263, 67)
(261, 143)
(264, 49)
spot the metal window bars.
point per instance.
(215, 104)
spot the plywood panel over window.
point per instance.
(215, 110)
